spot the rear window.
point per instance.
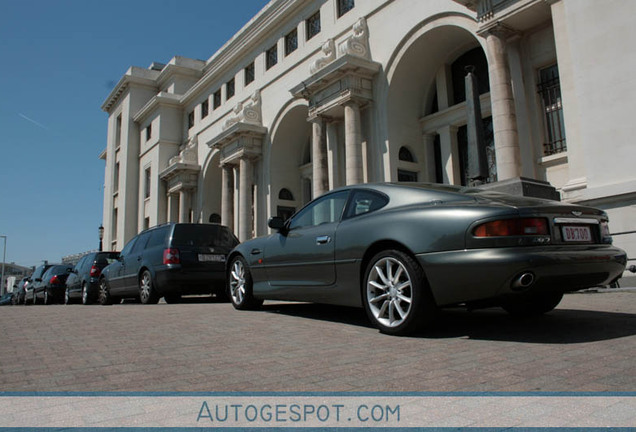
(59, 269)
(106, 258)
(203, 236)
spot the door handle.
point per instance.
(323, 240)
(256, 251)
(139, 258)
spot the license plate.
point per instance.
(576, 233)
(211, 258)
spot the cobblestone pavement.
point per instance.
(587, 344)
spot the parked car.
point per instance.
(402, 251)
(18, 291)
(5, 300)
(52, 285)
(83, 282)
(169, 260)
(34, 280)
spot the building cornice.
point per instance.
(134, 76)
(250, 36)
(162, 99)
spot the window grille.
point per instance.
(549, 89)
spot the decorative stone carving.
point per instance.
(188, 153)
(329, 55)
(358, 43)
(249, 112)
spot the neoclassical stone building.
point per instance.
(311, 95)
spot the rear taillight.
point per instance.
(95, 271)
(171, 256)
(55, 280)
(513, 227)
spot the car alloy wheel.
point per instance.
(397, 299)
(147, 294)
(103, 297)
(46, 297)
(240, 285)
(85, 300)
(67, 297)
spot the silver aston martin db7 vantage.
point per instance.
(402, 251)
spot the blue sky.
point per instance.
(60, 59)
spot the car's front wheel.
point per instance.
(103, 296)
(396, 297)
(147, 293)
(535, 305)
(240, 285)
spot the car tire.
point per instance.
(67, 297)
(172, 298)
(535, 305)
(147, 292)
(35, 298)
(85, 297)
(396, 297)
(47, 299)
(240, 286)
(103, 296)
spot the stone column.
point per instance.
(185, 200)
(429, 163)
(227, 196)
(320, 170)
(353, 143)
(334, 159)
(503, 106)
(245, 200)
(173, 208)
(450, 155)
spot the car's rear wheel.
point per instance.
(85, 298)
(533, 305)
(147, 293)
(47, 299)
(35, 298)
(240, 285)
(67, 297)
(396, 297)
(103, 296)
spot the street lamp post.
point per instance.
(4, 258)
(100, 232)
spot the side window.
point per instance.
(158, 237)
(80, 264)
(126, 250)
(327, 209)
(140, 244)
(364, 201)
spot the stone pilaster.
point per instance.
(227, 196)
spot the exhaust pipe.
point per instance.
(523, 281)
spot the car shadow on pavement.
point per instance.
(561, 326)
(322, 312)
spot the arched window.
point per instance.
(406, 155)
(285, 194)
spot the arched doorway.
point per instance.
(290, 163)
(426, 101)
(211, 194)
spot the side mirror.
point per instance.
(276, 223)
